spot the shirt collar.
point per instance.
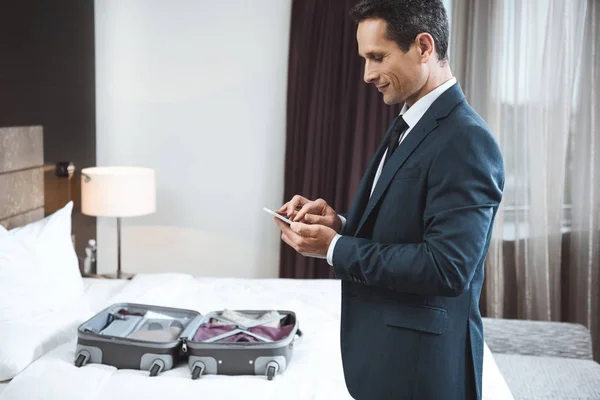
(413, 114)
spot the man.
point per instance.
(410, 252)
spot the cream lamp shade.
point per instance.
(118, 191)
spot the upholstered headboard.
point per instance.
(21, 175)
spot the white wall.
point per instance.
(197, 90)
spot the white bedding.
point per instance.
(97, 292)
(315, 371)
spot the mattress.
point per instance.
(315, 371)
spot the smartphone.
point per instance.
(281, 217)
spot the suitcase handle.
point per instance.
(298, 335)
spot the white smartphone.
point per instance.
(281, 217)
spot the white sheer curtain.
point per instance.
(530, 68)
(584, 185)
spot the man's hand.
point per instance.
(308, 240)
(316, 212)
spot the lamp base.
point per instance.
(124, 275)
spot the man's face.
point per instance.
(398, 75)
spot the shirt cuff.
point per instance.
(343, 222)
(331, 247)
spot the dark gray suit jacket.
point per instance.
(411, 260)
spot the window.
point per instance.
(526, 104)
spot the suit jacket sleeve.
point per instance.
(465, 183)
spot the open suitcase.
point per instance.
(154, 338)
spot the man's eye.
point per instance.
(378, 59)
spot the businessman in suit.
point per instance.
(410, 252)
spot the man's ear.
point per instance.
(425, 46)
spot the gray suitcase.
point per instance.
(135, 336)
(153, 338)
(263, 356)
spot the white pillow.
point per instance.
(50, 240)
(22, 290)
(41, 291)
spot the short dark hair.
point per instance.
(406, 19)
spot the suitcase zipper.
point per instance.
(184, 345)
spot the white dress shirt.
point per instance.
(411, 116)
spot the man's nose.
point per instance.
(369, 75)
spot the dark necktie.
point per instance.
(399, 128)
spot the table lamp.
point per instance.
(118, 192)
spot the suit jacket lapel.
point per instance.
(440, 108)
(364, 188)
(404, 150)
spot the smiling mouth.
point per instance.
(382, 87)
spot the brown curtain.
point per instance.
(335, 121)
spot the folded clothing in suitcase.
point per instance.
(153, 338)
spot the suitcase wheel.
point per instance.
(272, 368)
(157, 366)
(81, 359)
(198, 370)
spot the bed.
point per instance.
(315, 371)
